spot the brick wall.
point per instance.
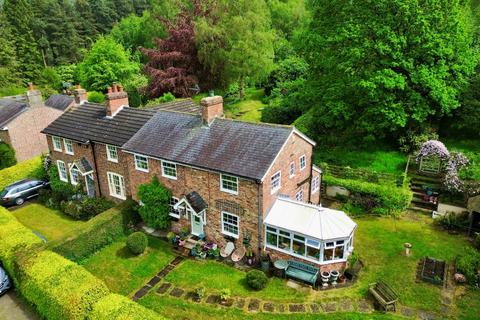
(24, 132)
(5, 137)
(315, 197)
(276, 255)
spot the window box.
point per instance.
(229, 184)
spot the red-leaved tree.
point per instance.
(174, 66)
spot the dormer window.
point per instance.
(112, 153)
(68, 146)
(141, 163)
(229, 184)
(303, 162)
(57, 144)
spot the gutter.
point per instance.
(96, 168)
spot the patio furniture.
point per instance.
(281, 266)
(227, 250)
(302, 271)
(238, 254)
(384, 295)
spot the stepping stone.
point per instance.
(240, 303)
(281, 307)
(446, 300)
(427, 315)
(154, 281)
(191, 295)
(254, 305)
(177, 260)
(140, 293)
(163, 288)
(315, 307)
(268, 306)
(177, 292)
(296, 307)
(346, 305)
(407, 312)
(227, 303)
(162, 273)
(364, 306)
(330, 306)
(213, 299)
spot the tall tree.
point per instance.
(379, 67)
(19, 16)
(236, 41)
(9, 64)
(85, 23)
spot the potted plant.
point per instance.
(265, 262)
(225, 295)
(250, 257)
(199, 293)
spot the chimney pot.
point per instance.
(78, 86)
(116, 100)
(121, 88)
(30, 86)
(80, 94)
(115, 87)
(109, 89)
(212, 107)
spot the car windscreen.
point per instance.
(3, 192)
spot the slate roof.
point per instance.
(10, 108)
(59, 101)
(196, 201)
(83, 165)
(184, 105)
(88, 122)
(239, 148)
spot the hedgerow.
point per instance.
(25, 169)
(390, 199)
(118, 307)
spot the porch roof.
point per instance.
(310, 220)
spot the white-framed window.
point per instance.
(62, 171)
(334, 250)
(116, 185)
(169, 170)
(68, 146)
(112, 153)
(57, 144)
(315, 184)
(292, 169)
(229, 184)
(276, 182)
(141, 163)
(74, 175)
(303, 162)
(175, 213)
(230, 224)
(299, 196)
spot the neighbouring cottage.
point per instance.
(22, 118)
(228, 178)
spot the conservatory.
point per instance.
(309, 232)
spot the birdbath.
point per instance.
(407, 246)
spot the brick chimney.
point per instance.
(34, 97)
(117, 99)
(212, 107)
(80, 94)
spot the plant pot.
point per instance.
(265, 265)
(251, 261)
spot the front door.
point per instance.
(90, 185)
(197, 225)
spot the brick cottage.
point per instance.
(230, 179)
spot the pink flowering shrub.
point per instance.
(433, 148)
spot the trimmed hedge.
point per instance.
(95, 234)
(118, 307)
(390, 198)
(25, 169)
(59, 288)
(137, 242)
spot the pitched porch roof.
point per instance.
(83, 165)
(310, 220)
(195, 201)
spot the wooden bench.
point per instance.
(384, 295)
(302, 271)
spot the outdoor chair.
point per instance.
(238, 254)
(227, 250)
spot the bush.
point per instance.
(7, 156)
(452, 221)
(469, 264)
(156, 204)
(26, 169)
(95, 234)
(96, 97)
(256, 279)
(137, 242)
(86, 208)
(114, 306)
(167, 97)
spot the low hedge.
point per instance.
(25, 169)
(118, 307)
(390, 198)
(95, 234)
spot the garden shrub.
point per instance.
(256, 279)
(7, 156)
(137, 242)
(469, 264)
(96, 97)
(26, 169)
(114, 306)
(155, 210)
(85, 208)
(452, 221)
(59, 288)
(98, 232)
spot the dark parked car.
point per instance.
(5, 283)
(18, 192)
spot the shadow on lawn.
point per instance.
(124, 253)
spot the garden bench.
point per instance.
(384, 295)
(302, 271)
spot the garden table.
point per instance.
(281, 265)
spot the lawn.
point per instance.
(123, 272)
(52, 224)
(216, 276)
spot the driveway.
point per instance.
(12, 308)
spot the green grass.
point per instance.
(52, 224)
(215, 276)
(125, 273)
(470, 148)
(469, 305)
(174, 308)
(386, 161)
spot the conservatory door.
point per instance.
(197, 225)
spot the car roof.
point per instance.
(19, 183)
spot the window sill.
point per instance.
(118, 196)
(142, 170)
(229, 191)
(64, 180)
(113, 160)
(70, 153)
(228, 234)
(169, 177)
(58, 150)
(174, 215)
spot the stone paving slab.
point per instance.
(213, 299)
(164, 287)
(407, 312)
(254, 305)
(315, 307)
(330, 306)
(281, 307)
(142, 292)
(240, 303)
(177, 292)
(423, 315)
(296, 307)
(364, 306)
(154, 281)
(345, 305)
(269, 307)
